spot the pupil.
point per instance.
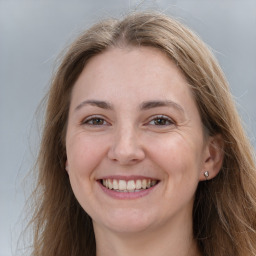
(97, 121)
(160, 121)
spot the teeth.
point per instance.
(122, 185)
(110, 184)
(138, 184)
(115, 184)
(144, 184)
(128, 186)
(153, 182)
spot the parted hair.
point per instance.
(224, 214)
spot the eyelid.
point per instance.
(89, 118)
(167, 118)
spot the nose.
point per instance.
(126, 148)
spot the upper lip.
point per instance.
(126, 178)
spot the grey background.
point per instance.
(32, 34)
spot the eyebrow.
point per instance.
(97, 103)
(143, 106)
(159, 103)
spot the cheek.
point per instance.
(84, 153)
(179, 159)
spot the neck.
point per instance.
(168, 240)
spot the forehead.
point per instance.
(135, 68)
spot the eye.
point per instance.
(94, 121)
(161, 121)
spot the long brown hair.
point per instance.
(225, 207)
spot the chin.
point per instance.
(128, 221)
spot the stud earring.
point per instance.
(206, 174)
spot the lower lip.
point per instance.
(127, 195)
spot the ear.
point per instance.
(213, 157)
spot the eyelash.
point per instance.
(89, 121)
(100, 121)
(162, 118)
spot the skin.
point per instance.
(164, 142)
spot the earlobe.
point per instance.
(206, 175)
(214, 153)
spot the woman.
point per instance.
(143, 152)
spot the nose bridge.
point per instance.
(126, 148)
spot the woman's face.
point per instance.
(135, 144)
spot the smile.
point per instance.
(128, 185)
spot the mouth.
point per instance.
(131, 186)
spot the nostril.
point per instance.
(126, 147)
(126, 156)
